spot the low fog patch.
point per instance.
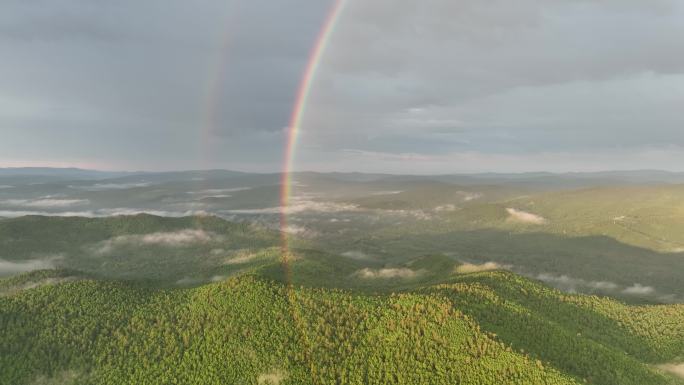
(300, 231)
(241, 257)
(448, 207)
(676, 369)
(639, 290)
(336, 220)
(271, 378)
(471, 196)
(44, 203)
(189, 281)
(578, 285)
(297, 206)
(11, 268)
(265, 210)
(524, 217)
(468, 268)
(358, 255)
(387, 192)
(101, 213)
(112, 186)
(417, 214)
(35, 284)
(218, 191)
(573, 285)
(23, 213)
(180, 238)
(194, 281)
(386, 273)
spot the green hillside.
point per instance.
(644, 216)
(157, 249)
(484, 328)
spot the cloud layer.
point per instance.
(404, 86)
(467, 268)
(44, 203)
(387, 273)
(181, 238)
(10, 267)
(524, 217)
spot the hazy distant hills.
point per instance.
(537, 178)
(60, 173)
(612, 233)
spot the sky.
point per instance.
(404, 86)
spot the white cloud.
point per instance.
(639, 289)
(187, 281)
(524, 217)
(219, 191)
(447, 207)
(179, 238)
(102, 213)
(355, 254)
(471, 196)
(34, 284)
(300, 230)
(467, 268)
(242, 257)
(417, 214)
(387, 192)
(44, 203)
(10, 267)
(387, 273)
(573, 285)
(297, 206)
(112, 186)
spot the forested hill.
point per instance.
(59, 327)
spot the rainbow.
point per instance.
(298, 112)
(213, 96)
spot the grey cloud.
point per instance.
(502, 77)
(169, 73)
(12, 267)
(174, 84)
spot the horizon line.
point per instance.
(143, 171)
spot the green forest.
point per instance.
(63, 327)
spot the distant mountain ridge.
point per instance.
(635, 176)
